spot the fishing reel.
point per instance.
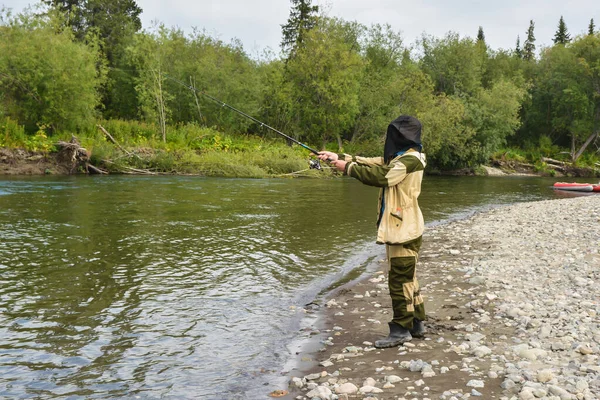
(314, 164)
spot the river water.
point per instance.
(183, 287)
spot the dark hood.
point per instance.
(403, 133)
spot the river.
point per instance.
(183, 287)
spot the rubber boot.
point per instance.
(397, 336)
(418, 329)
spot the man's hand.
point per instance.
(340, 165)
(327, 156)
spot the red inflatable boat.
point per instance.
(577, 187)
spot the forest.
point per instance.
(68, 67)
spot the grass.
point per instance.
(191, 149)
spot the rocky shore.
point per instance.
(513, 303)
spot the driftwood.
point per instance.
(76, 157)
(112, 139)
(555, 164)
(95, 170)
(71, 153)
(130, 170)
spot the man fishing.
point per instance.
(400, 222)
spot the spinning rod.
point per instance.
(314, 164)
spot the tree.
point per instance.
(591, 27)
(529, 47)
(565, 104)
(392, 84)
(303, 17)
(480, 35)
(113, 22)
(47, 79)
(325, 76)
(562, 36)
(518, 51)
(455, 65)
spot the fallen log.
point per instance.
(112, 139)
(95, 170)
(72, 154)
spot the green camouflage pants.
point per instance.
(407, 301)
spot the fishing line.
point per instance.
(314, 164)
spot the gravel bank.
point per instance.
(513, 302)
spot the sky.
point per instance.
(257, 23)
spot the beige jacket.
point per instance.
(399, 217)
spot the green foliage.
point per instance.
(454, 64)
(565, 105)
(529, 47)
(325, 75)
(480, 35)
(562, 36)
(45, 77)
(518, 51)
(13, 135)
(303, 17)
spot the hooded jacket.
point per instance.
(399, 218)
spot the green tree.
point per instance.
(591, 27)
(562, 35)
(111, 20)
(303, 17)
(480, 35)
(325, 76)
(455, 65)
(529, 47)
(565, 105)
(493, 114)
(47, 78)
(114, 22)
(518, 51)
(148, 55)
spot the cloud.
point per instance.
(257, 23)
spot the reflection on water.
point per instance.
(182, 287)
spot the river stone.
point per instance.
(312, 377)
(369, 382)
(491, 171)
(321, 392)
(526, 394)
(416, 365)
(476, 383)
(560, 392)
(297, 382)
(545, 375)
(393, 379)
(346, 388)
(370, 389)
(482, 351)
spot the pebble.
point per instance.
(346, 388)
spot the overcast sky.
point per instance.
(257, 23)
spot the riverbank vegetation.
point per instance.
(335, 84)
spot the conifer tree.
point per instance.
(518, 51)
(591, 27)
(303, 17)
(480, 35)
(562, 36)
(529, 47)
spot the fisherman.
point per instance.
(400, 222)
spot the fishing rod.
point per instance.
(314, 164)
